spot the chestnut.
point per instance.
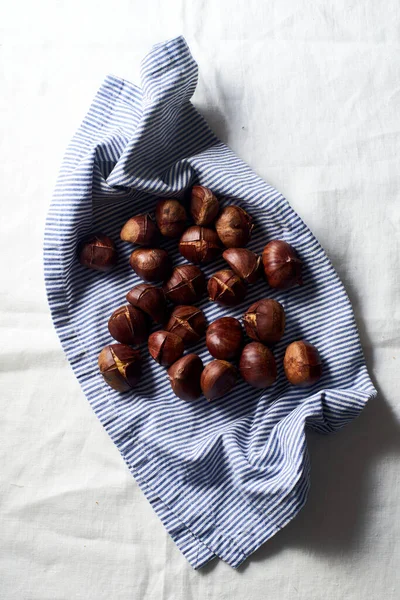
(264, 321)
(188, 322)
(302, 363)
(282, 266)
(128, 325)
(171, 217)
(120, 366)
(204, 206)
(186, 285)
(244, 263)
(217, 379)
(257, 365)
(151, 264)
(226, 288)
(234, 226)
(150, 300)
(224, 338)
(184, 377)
(199, 244)
(140, 230)
(165, 347)
(98, 252)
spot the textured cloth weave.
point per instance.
(223, 477)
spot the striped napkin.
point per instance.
(223, 476)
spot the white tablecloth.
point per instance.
(308, 94)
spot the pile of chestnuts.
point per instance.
(214, 231)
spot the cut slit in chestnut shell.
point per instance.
(186, 285)
(226, 288)
(120, 366)
(188, 322)
(200, 245)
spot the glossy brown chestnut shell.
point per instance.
(217, 379)
(171, 217)
(188, 322)
(224, 338)
(264, 321)
(165, 347)
(186, 285)
(151, 264)
(128, 325)
(200, 245)
(141, 230)
(204, 206)
(234, 226)
(149, 299)
(257, 365)
(98, 252)
(184, 377)
(226, 288)
(282, 266)
(302, 363)
(244, 263)
(120, 366)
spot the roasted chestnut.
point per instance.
(226, 288)
(128, 325)
(244, 263)
(234, 226)
(120, 366)
(151, 264)
(264, 321)
(171, 217)
(204, 206)
(199, 244)
(257, 365)
(150, 300)
(188, 322)
(165, 347)
(217, 379)
(140, 230)
(282, 266)
(186, 285)
(98, 252)
(302, 363)
(224, 338)
(184, 377)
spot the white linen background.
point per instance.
(308, 93)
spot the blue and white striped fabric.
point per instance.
(224, 476)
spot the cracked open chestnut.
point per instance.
(224, 338)
(234, 226)
(217, 379)
(257, 365)
(204, 206)
(302, 363)
(165, 347)
(171, 217)
(186, 285)
(151, 264)
(199, 245)
(140, 230)
(128, 325)
(244, 263)
(188, 322)
(184, 376)
(264, 321)
(226, 288)
(120, 366)
(149, 299)
(98, 252)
